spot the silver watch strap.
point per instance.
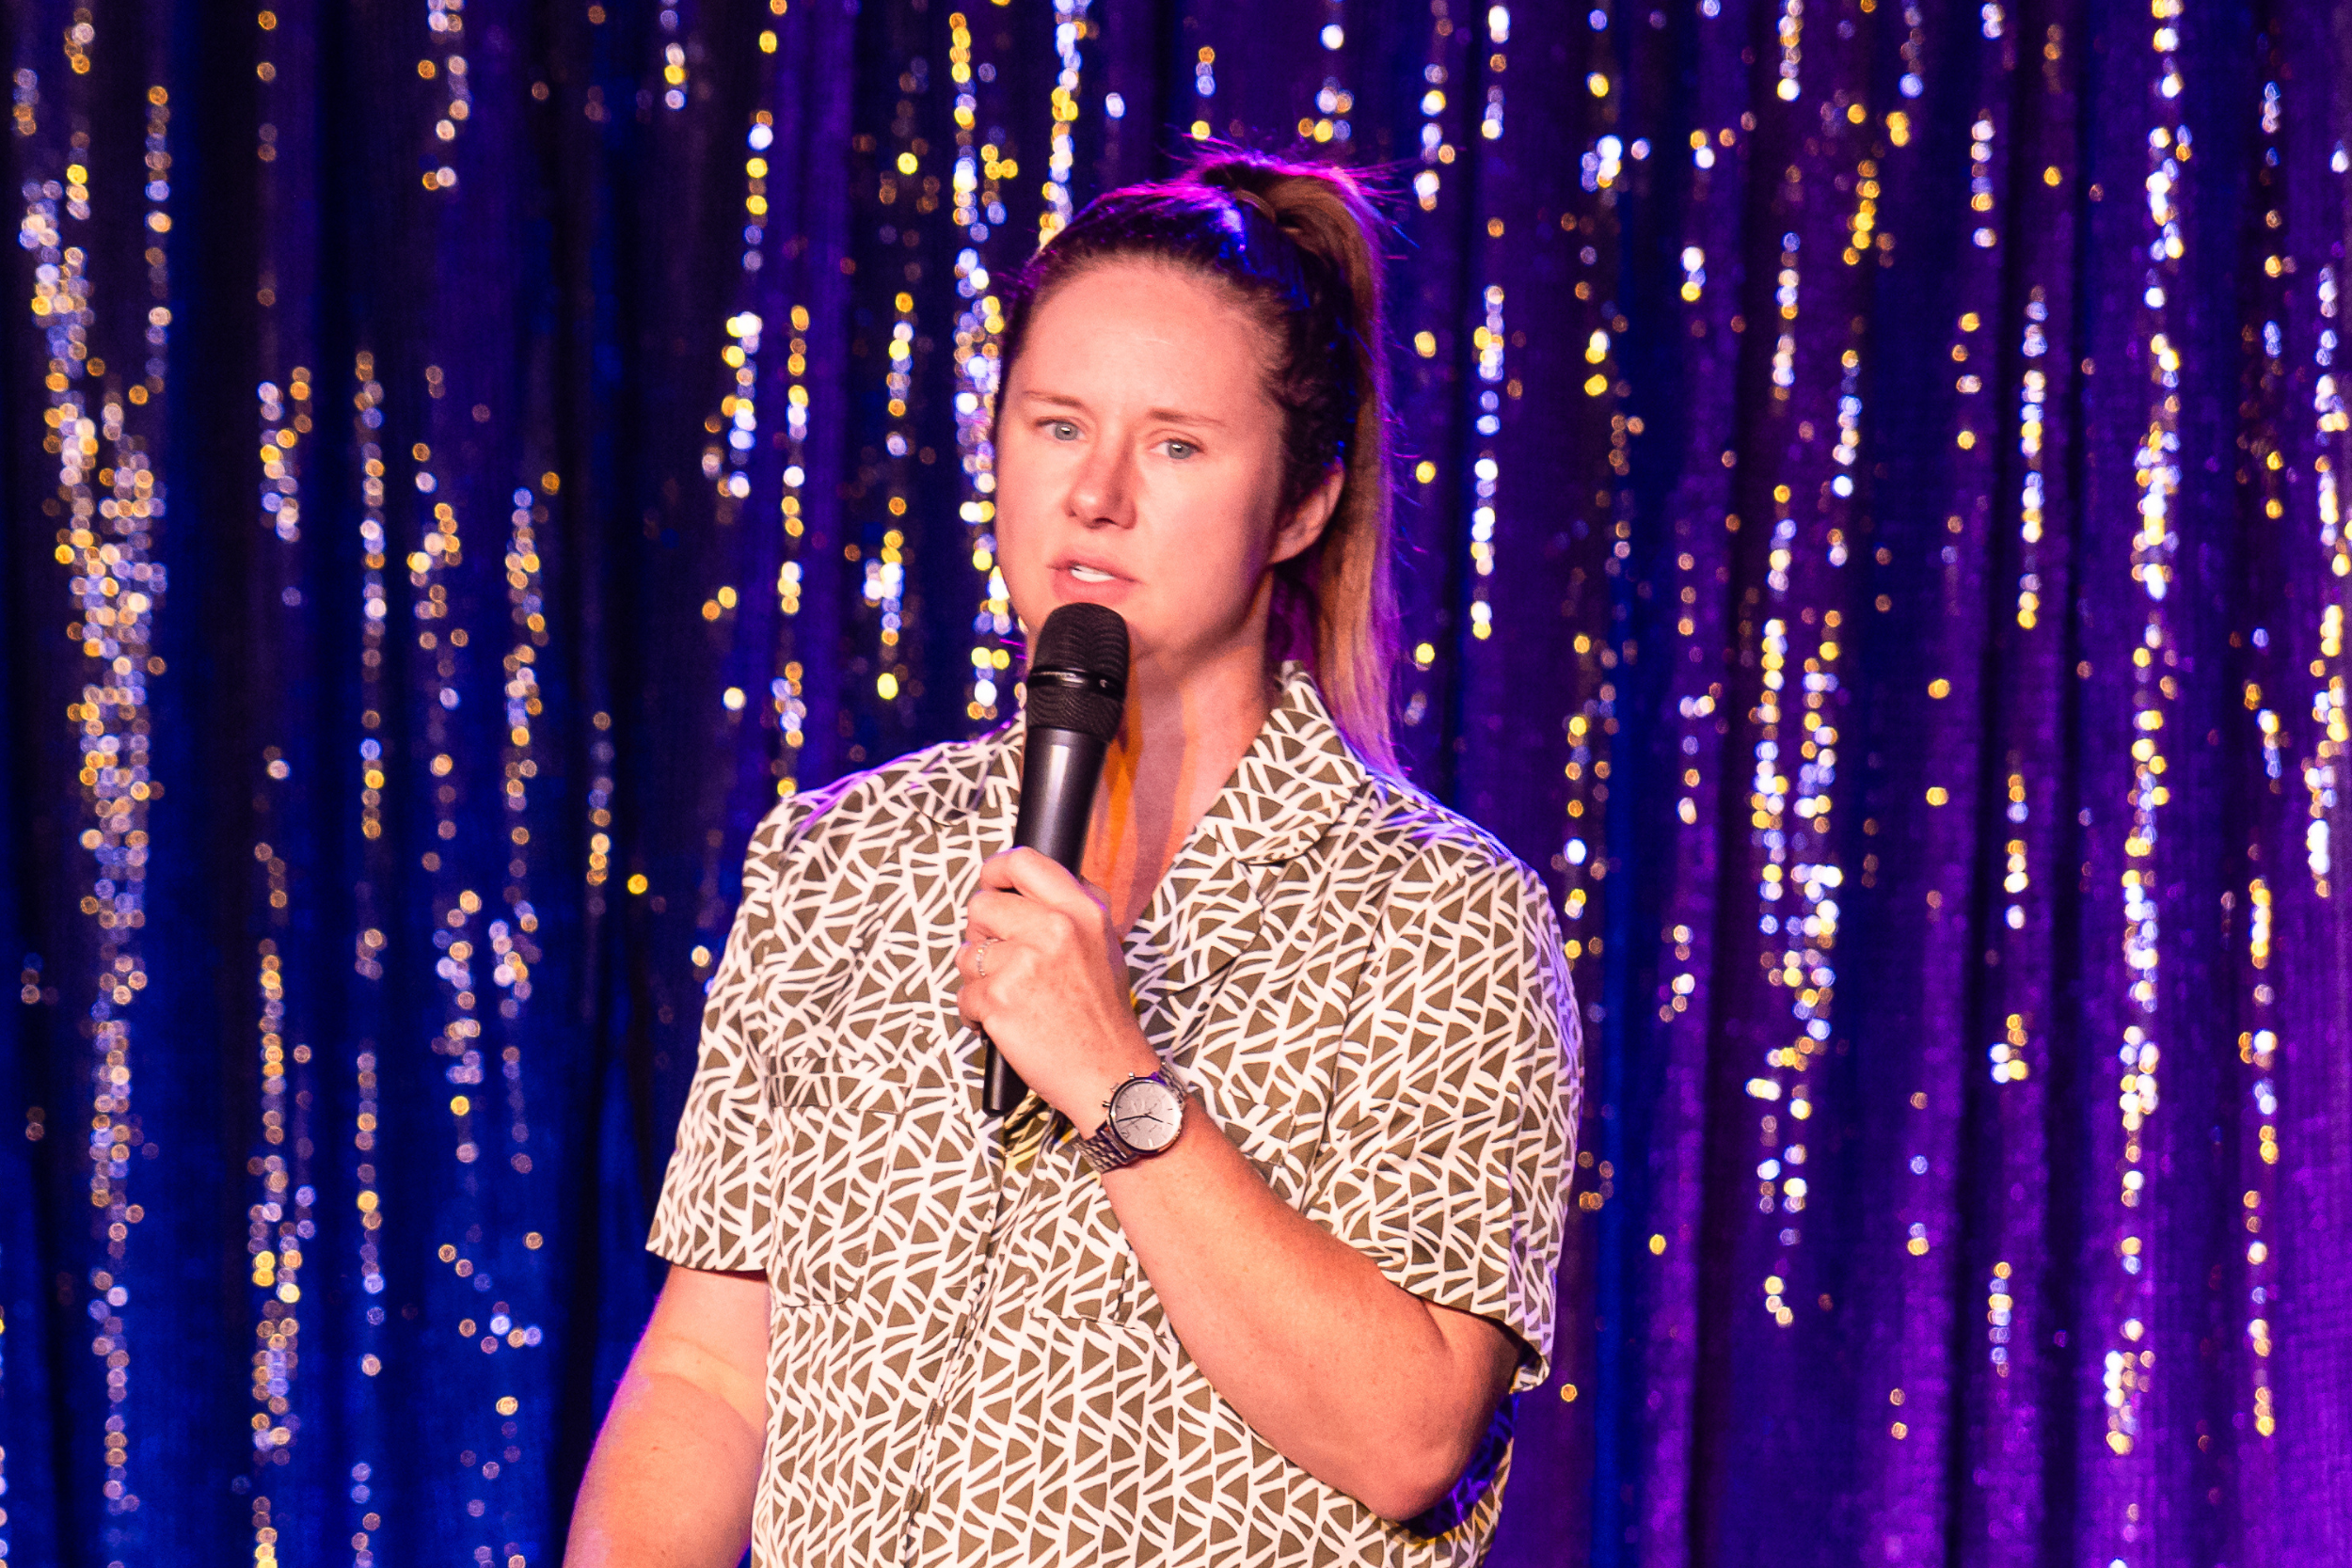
(1105, 1150)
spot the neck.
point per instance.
(1184, 734)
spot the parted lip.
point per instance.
(1064, 563)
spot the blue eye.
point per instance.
(1062, 430)
(1180, 450)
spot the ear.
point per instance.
(1307, 521)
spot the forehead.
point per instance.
(1148, 327)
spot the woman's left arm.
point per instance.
(1369, 1387)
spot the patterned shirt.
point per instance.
(966, 1363)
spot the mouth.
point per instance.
(1081, 573)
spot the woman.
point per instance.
(897, 1330)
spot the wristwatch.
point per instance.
(1146, 1114)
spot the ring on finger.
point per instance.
(979, 955)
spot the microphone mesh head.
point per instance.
(1089, 640)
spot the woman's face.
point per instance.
(1139, 465)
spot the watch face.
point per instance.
(1146, 1114)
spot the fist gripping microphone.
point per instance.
(1077, 695)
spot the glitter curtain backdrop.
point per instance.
(1874, 477)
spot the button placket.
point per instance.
(1014, 1180)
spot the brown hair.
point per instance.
(1296, 242)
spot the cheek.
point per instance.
(1209, 556)
(1021, 501)
(1022, 541)
(1221, 521)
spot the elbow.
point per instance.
(1410, 1484)
(1403, 1505)
(1413, 1472)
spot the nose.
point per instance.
(1103, 490)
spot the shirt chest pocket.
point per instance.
(833, 1137)
(1064, 1254)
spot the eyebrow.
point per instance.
(1167, 416)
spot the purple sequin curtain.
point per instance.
(1875, 500)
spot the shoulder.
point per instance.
(1395, 842)
(1442, 863)
(1465, 929)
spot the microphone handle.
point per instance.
(1060, 769)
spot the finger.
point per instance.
(980, 952)
(1044, 882)
(1009, 916)
(1031, 875)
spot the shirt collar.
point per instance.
(1292, 783)
(1283, 796)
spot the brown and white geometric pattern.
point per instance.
(966, 1364)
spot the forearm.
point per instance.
(1355, 1380)
(1365, 1386)
(671, 1481)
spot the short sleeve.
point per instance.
(1454, 1118)
(716, 1209)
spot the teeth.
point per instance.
(1088, 574)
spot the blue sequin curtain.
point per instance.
(1874, 489)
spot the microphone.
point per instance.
(1077, 696)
